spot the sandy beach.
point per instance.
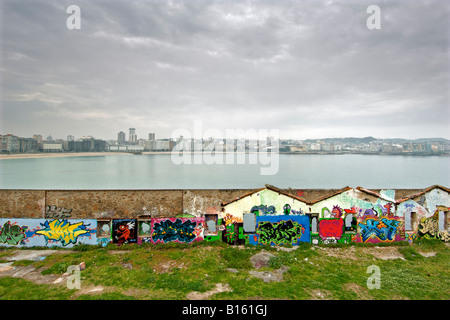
(79, 154)
(59, 155)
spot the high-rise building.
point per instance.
(37, 137)
(151, 141)
(121, 137)
(70, 138)
(9, 143)
(132, 139)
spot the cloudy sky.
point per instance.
(311, 69)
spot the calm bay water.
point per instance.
(157, 171)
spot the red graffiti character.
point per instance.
(124, 232)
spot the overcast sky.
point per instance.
(311, 69)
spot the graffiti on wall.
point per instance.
(124, 231)
(281, 230)
(377, 211)
(230, 219)
(218, 236)
(380, 230)
(54, 212)
(287, 210)
(12, 234)
(234, 234)
(63, 231)
(263, 210)
(429, 228)
(43, 232)
(184, 230)
(331, 229)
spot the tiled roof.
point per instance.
(270, 187)
(331, 195)
(423, 192)
(336, 192)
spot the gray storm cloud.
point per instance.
(311, 69)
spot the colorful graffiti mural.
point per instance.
(183, 230)
(124, 231)
(62, 231)
(331, 228)
(43, 232)
(12, 234)
(281, 230)
(375, 230)
(275, 218)
(429, 229)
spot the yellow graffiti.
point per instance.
(63, 231)
(230, 219)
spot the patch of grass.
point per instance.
(410, 253)
(57, 268)
(23, 263)
(82, 247)
(237, 258)
(20, 289)
(429, 243)
(283, 258)
(181, 282)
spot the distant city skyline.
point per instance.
(311, 69)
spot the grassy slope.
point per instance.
(136, 272)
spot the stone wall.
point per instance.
(112, 204)
(116, 204)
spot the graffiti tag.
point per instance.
(263, 209)
(383, 230)
(167, 231)
(12, 234)
(429, 228)
(57, 213)
(283, 232)
(63, 231)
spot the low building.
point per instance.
(28, 145)
(426, 213)
(50, 147)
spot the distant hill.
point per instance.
(366, 140)
(420, 140)
(345, 140)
